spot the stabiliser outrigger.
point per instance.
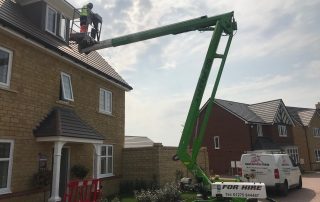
(221, 25)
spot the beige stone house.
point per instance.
(58, 108)
(307, 135)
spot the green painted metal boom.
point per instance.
(221, 25)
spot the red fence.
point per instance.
(83, 191)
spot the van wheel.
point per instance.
(284, 188)
(300, 183)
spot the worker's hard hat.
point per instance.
(90, 5)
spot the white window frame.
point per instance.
(99, 161)
(105, 100)
(317, 155)
(282, 129)
(293, 153)
(7, 84)
(65, 28)
(316, 132)
(55, 23)
(63, 87)
(216, 142)
(10, 159)
(259, 130)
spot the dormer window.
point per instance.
(51, 20)
(56, 23)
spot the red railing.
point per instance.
(83, 191)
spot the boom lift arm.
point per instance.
(221, 25)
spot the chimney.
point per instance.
(318, 106)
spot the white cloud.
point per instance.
(279, 33)
(313, 69)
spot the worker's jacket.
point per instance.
(85, 11)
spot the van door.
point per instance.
(295, 172)
(285, 167)
(258, 168)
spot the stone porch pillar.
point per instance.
(97, 148)
(56, 172)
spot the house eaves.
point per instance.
(61, 5)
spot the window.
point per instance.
(317, 153)
(282, 130)
(67, 93)
(63, 27)
(316, 132)
(293, 153)
(216, 142)
(5, 67)
(259, 130)
(6, 149)
(105, 102)
(51, 20)
(106, 161)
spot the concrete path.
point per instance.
(310, 191)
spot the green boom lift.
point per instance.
(221, 25)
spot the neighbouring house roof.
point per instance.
(11, 15)
(65, 122)
(302, 115)
(266, 110)
(269, 112)
(137, 142)
(240, 109)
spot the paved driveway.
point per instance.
(310, 191)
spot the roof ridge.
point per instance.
(233, 101)
(267, 101)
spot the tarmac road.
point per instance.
(310, 191)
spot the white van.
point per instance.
(275, 169)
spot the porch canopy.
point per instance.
(61, 126)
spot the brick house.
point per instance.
(58, 108)
(235, 127)
(307, 136)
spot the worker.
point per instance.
(85, 17)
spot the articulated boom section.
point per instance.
(223, 25)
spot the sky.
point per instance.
(275, 54)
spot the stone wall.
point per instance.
(155, 163)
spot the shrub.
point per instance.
(42, 178)
(79, 171)
(169, 193)
(128, 187)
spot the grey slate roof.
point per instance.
(257, 113)
(266, 110)
(65, 122)
(137, 142)
(302, 115)
(240, 109)
(11, 15)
